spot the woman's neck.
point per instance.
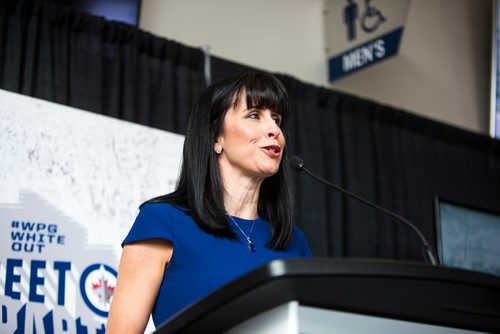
(241, 196)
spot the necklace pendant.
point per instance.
(251, 246)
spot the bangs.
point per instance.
(263, 92)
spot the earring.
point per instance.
(218, 150)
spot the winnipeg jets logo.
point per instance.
(97, 286)
(103, 290)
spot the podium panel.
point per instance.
(397, 291)
(292, 318)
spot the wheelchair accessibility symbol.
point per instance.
(371, 18)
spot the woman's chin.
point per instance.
(269, 171)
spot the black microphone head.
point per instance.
(296, 163)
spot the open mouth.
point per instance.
(273, 149)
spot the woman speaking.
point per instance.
(229, 214)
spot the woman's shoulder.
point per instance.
(299, 240)
(298, 231)
(159, 204)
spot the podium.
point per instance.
(325, 295)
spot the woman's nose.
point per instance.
(273, 129)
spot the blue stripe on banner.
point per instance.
(365, 55)
(4, 314)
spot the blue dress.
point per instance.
(202, 262)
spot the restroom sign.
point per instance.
(361, 33)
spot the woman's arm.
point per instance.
(140, 274)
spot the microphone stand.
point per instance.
(427, 247)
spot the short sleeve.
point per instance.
(153, 221)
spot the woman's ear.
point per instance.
(217, 147)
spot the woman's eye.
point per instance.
(277, 119)
(253, 116)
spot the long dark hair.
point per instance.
(200, 189)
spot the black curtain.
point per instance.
(50, 51)
(391, 157)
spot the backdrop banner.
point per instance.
(71, 182)
(360, 33)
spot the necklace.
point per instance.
(251, 246)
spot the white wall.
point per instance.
(442, 71)
(278, 35)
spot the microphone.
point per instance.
(298, 165)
